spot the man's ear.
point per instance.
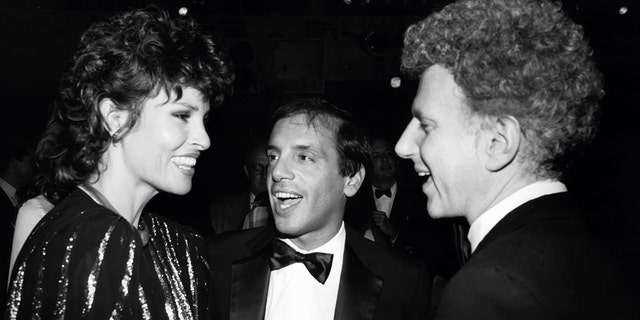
(354, 182)
(246, 171)
(114, 118)
(504, 142)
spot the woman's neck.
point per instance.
(118, 195)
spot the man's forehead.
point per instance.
(321, 123)
(379, 145)
(308, 135)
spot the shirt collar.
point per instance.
(486, 221)
(334, 246)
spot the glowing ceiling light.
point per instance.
(395, 82)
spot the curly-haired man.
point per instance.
(508, 95)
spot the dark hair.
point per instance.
(351, 141)
(523, 58)
(127, 59)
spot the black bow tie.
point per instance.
(380, 192)
(318, 264)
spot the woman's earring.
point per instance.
(115, 138)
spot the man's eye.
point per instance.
(305, 157)
(272, 157)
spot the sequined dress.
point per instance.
(83, 261)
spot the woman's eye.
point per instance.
(182, 115)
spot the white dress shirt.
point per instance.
(384, 204)
(486, 221)
(295, 294)
(258, 215)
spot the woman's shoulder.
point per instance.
(35, 207)
(79, 217)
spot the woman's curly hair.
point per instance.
(127, 59)
(523, 58)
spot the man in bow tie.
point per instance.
(249, 209)
(389, 210)
(310, 265)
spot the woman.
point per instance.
(129, 123)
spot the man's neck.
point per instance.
(316, 239)
(498, 189)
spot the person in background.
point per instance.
(389, 209)
(128, 123)
(17, 168)
(245, 210)
(308, 264)
(508, 96)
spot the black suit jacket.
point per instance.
(419, 235)
(539, 262)
(361, 205)
(8, 212)
(227, 213)
(375, 282)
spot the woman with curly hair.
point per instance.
(128, 123)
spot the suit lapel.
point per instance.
(359, 287)
(250, 282)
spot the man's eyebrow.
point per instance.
(303, 147)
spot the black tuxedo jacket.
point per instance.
(539, 262)
(8, 212)
(376, 283)
(227, 213)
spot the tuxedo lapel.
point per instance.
(359, 287)
(250, 285)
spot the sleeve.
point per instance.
(420, 302)
(82, 268)
(29, 215)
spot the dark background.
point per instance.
(345, 51)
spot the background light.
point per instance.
(183, 11)
(395, 82)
